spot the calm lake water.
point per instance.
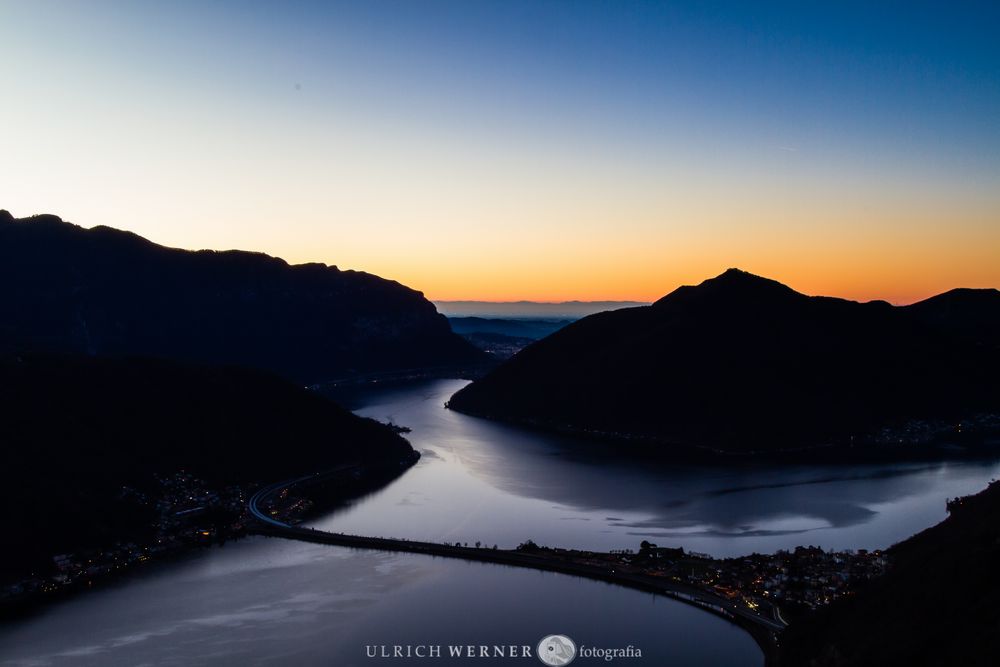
(275, 602)
(483, 481)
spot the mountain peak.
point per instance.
(38, 218)
(45, 218)
(741, 363)
(732, 284)
(740, 277)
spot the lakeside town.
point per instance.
(803, 579)
(979, 426)
(185, 513)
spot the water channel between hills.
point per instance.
(267, 601)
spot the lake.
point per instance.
(267, 601)
(497, 484)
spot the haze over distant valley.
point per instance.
(530, 309)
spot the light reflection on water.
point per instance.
(483, 481)
(278, 602)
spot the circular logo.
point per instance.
(556, 650)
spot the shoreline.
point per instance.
(964, 445)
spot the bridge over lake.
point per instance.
(763, 628)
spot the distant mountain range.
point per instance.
(741, 363)
(107, 292)
(530, 309)
(533, 328)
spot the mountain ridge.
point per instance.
(741, 363)
(112, 292)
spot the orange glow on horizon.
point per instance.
(898, 284)
(867, 260)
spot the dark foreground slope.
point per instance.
(937, 605)
(102, 291)
(741, 363)
(75, 430)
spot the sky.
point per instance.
(523, 150)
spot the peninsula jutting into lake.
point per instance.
(742, 365)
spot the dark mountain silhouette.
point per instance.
(937, 604)
(74, 430)
(741, 363)
(969, 314)
(102, 291)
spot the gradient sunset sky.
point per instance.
(523, 150)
